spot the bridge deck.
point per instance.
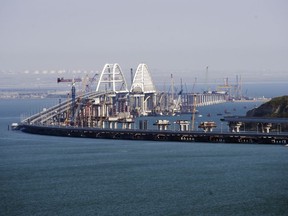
(156, 135)
(255, 119)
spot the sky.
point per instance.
(180, 37)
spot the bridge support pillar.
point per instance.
(184, 125)
(207, 126)
(127, 124)
(235, 126)
(162, 124)
(112, 121)
(267, 127)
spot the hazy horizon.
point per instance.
(248, 38)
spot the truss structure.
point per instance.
(142, 82)
(112, 79)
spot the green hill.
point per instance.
(277, 108)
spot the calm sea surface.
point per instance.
(42, 175)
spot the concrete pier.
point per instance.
(183, 125)
(162, 134)
(162, 124)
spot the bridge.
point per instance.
(143, 92)
(113, 106)
(239, 124)
(113, 102)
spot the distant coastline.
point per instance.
(32, 93)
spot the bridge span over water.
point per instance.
(109, 111)
(144, 98)
(114, 100)
(258, 124)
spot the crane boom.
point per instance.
(194, 111)
(68, 80)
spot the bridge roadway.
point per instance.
(42, 117)
(255, 119)
(157, 135)
(39, 124)
(266, 124)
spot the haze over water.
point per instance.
(247, 38)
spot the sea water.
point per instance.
(46, 175)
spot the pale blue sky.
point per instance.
(247, 37)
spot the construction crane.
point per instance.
(194, 83)
(158, 107)
(73, 97)
(91, 80)
(193, 111)
(75, 108)
(206, 80)
(82, 102)
(172, 90)
(178, 103)
(225, 88)
(238, 88)
(68, 80)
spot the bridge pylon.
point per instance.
(143, 91)
(112, 80)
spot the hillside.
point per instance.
(277, 108)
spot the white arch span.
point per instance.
(142, 82)
(112, 79)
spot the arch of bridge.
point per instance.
(112, 79)
(142, 82)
